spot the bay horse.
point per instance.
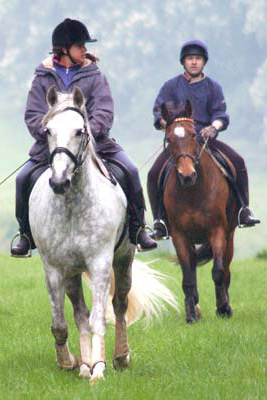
(200, 209)
(77, 217)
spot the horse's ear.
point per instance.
(78, 98)
(51, 96)
(167, 110)
(188, 109)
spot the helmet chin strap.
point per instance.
(71, 59)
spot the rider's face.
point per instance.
(78, 52)
(194, 65)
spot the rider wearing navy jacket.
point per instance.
(210, 118)
(72, 66)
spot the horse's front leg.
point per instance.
(81, 315)
(123, 279)
(187, 258)
(100, 285)
(219, 272)
(56, 290)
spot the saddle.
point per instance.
(119, 172)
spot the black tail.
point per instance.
(204, 254)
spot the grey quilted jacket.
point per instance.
(99, 105)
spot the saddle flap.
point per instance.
(224, 164)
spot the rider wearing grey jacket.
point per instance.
(69, 67)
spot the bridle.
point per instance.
(85, 138)
(196, 158)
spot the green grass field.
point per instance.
(214, 359)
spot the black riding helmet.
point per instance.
(70, 32)
(192, 48)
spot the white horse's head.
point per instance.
(68, 135)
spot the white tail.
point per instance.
(148, 295)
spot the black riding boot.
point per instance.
(25, 244)
(245, 215)
(23, 247)
(137, 231)
(160, 226)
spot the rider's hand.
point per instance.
(209, 132)
(163, 123)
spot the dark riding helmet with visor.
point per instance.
(70, 32)
(194, 48)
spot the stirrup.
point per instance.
(18, 234)
(162, 222)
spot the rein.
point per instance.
(77, 160)
(197, 159)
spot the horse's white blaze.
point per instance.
(179, 131)
(61, 163)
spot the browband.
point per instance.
(183, 119)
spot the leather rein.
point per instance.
(85, 138)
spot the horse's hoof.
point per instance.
(85, 371)
(190, 320)
(96, 378)
(97, 372)
(72, 364)
(198, 312)
(121, 362)
(224, 311)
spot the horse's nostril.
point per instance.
(60, 187)
(187, 180)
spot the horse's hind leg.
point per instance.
(122, 272)
(56, 289)
(81, 315)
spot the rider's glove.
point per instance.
(209, 132)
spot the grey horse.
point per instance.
(77, 217)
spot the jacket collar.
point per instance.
(48, 62)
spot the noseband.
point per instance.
(77, 160)
(188, 155)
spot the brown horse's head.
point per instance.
(181, 137)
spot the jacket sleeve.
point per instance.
(218, 107)
(99, 107)
(36, 108)
(160, 99)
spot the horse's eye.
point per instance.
(79, 132)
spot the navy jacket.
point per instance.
(206, 97)
(99, 105)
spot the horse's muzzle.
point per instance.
(188, 180)
(59, 187)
